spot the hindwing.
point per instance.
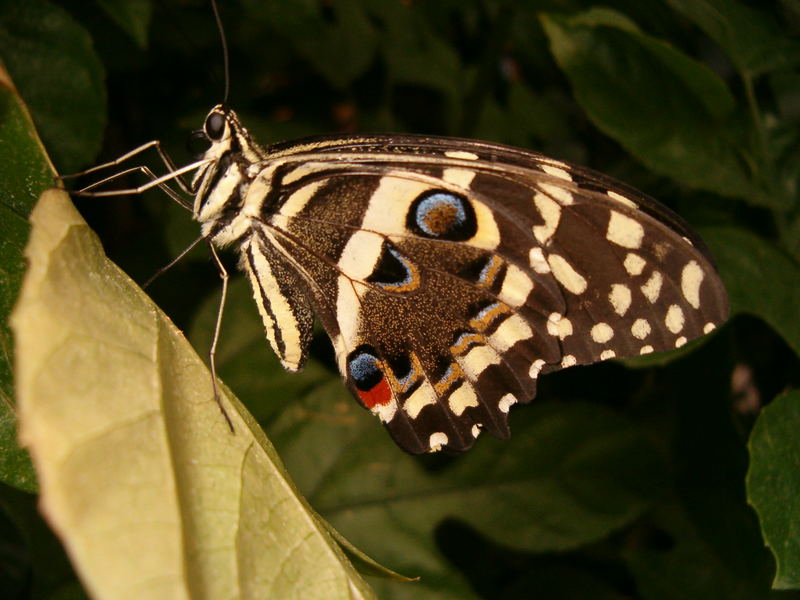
(450, 273)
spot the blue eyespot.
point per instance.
(441, 214)
(364, 369)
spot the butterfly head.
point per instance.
(225, 143)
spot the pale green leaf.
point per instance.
(152, 494)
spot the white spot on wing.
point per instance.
(602, 332)
(505, 402)
(477, 360)
(419, 399)
(606, 354)
(624, 231)
(680, 342)
(462, 398)
(634, 264)
(557, 172)
(550, 212)
(568, 361)
(566, 274)
(512, 330)
(559, 326)
(640, 329)
(516, 287)
(646, 349)
(691, 278)
(620, 298)
(437, 440)
(709, 327)
(385, 412)
(536, 368)
(461, 154)
(622, 199)
(652, 288)
(674, 319)
(537, 260)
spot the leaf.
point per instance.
(25, 171)
(750, 37)
(773, 484)
(760, 279)
(668, 110)
(709, 546)
(336, 38)
(133, 17)
(54, 66)
(152, 494)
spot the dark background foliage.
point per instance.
(624, 480)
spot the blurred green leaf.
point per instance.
(336, 38)
(415, 55)
(25, 172)
(749, 35)
(53, 64)
(133, 16)
(707, 547)
(773, 484)
(760, 279)
(670, 111)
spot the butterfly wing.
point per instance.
(449, 274)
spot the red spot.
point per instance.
(379, 394)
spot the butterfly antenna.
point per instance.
(224, 43)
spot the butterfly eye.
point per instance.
(197, 143)
(442, 215)
(215, 126)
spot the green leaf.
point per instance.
(760, 279)
(414, 54)
(54, 66)
(133, 16)
(709, 545)
(750, 37)
(668, 110)
(336, 38)
(25, 171)
(773, 484)
(151, 492)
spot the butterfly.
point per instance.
(448, 273)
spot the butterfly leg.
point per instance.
(154, 182)
(172, 263)
(87, 191)
(212, 353)
(165, 158)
